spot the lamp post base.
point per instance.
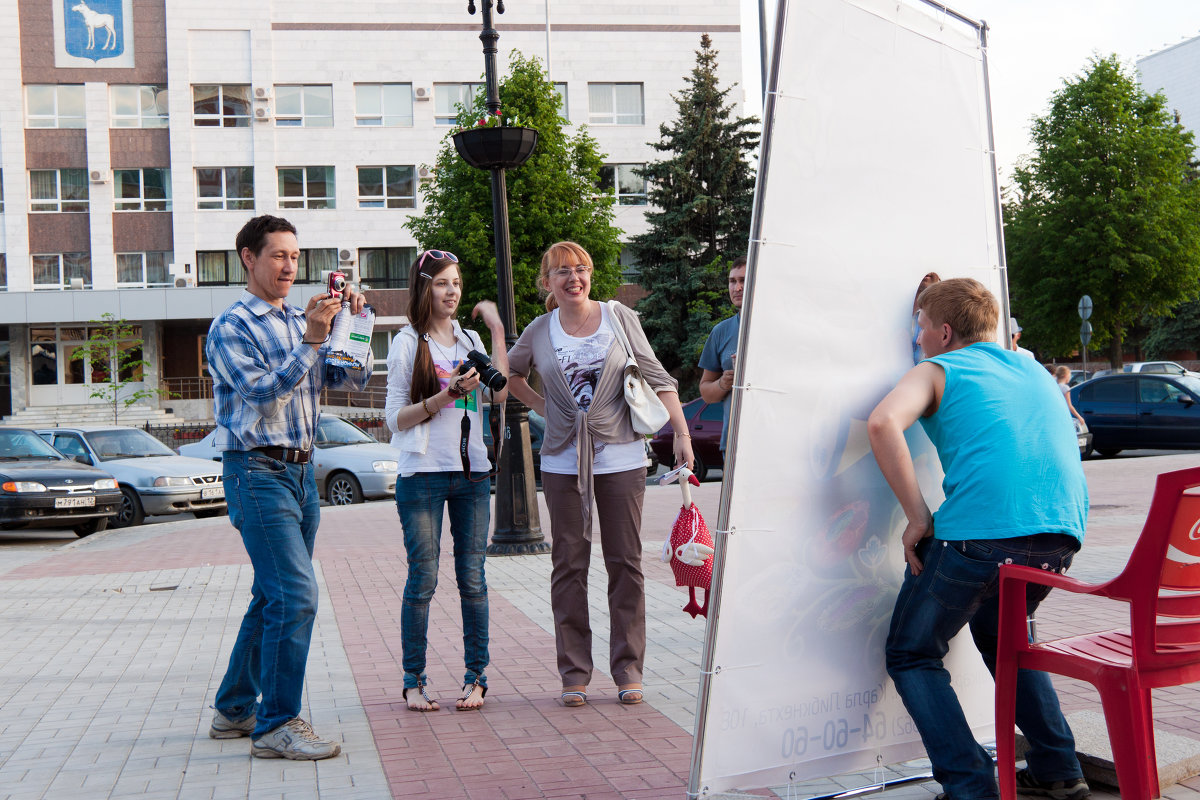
(518, 529)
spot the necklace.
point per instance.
(450, 358)
(581, 326)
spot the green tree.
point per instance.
(1104, 207)
(552, 197)
(1181, 331)
(703, 194)
(114, 353)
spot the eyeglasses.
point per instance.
(566, 272)
(438, 255)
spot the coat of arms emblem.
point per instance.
(94, 28)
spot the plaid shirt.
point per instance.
(266, 382)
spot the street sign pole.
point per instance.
(1085, 330)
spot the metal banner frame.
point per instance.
(709, 667)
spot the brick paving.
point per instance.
(111, 649)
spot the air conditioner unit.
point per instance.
(262, 93)
(262, 114)
(182, 275)
(424, 173)
(422, 93)
(97, 176)
(344, 255)
(76, 283)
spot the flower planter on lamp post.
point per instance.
(491, 147)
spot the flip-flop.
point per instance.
(630, 697)
(468, 691)
(420, 687)
(574, 699)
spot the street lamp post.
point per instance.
(518, 529)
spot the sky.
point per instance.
(1033, 45)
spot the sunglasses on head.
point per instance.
(438, 255)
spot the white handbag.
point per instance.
(646, 411)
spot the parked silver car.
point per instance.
(350, 464)
(153, 478)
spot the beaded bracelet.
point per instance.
(425, 406)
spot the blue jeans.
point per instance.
(960, 585)
(421, 499)
(276, 508)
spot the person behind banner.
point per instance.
(720, 350)
(590, 450)
(1015, 494)
(428, 398)
(267, 383)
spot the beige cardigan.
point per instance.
(607, 418)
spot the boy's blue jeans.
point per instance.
(276, 508)
(960, 585)
(421, 499)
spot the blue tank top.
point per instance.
(1010, 456)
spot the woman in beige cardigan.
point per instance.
(590, 450)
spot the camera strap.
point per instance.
(496, 423)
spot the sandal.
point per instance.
(420, 687)
(468, 693)
(631, 696)
(574, 699)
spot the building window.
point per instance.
(315, 261)
(630, 269)
(622, 179)
(58, 190)
(615, 104)
(448, 96)
(219, 268)
(304, 106)
(306, 187)
(387, 187)
(143, 270)
(561, 89)
(142, 189)
(230, 188)
(58, 106)
(386, 267)
(57, 270)
(386, 104)
(4, 271)
(224, 106)
(1, 191)
(138, 106)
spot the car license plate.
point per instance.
(211, 492)
(74, 502)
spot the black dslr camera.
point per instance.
(489, 376)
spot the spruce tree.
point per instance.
(701, 196)
(551, 197)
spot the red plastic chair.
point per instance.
(1160, 581)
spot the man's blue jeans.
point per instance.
(960, 585)
(421, 499)
(276, 508)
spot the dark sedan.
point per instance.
(704, 423)
(1140, 411)
(41, 488)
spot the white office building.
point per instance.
(137, 136)
(1175, 71)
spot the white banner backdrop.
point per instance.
(876, 169)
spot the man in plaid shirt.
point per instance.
(268, 372)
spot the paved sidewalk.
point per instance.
(111, 648)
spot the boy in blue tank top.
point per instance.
(1015, 493)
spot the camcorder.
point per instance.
(489, 376)
(337, 285)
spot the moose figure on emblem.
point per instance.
(93, 20)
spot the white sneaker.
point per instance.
(225, 728)
(296, 740)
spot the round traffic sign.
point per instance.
(1085, 307)
(1085, 331)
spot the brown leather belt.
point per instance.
(291, 455)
